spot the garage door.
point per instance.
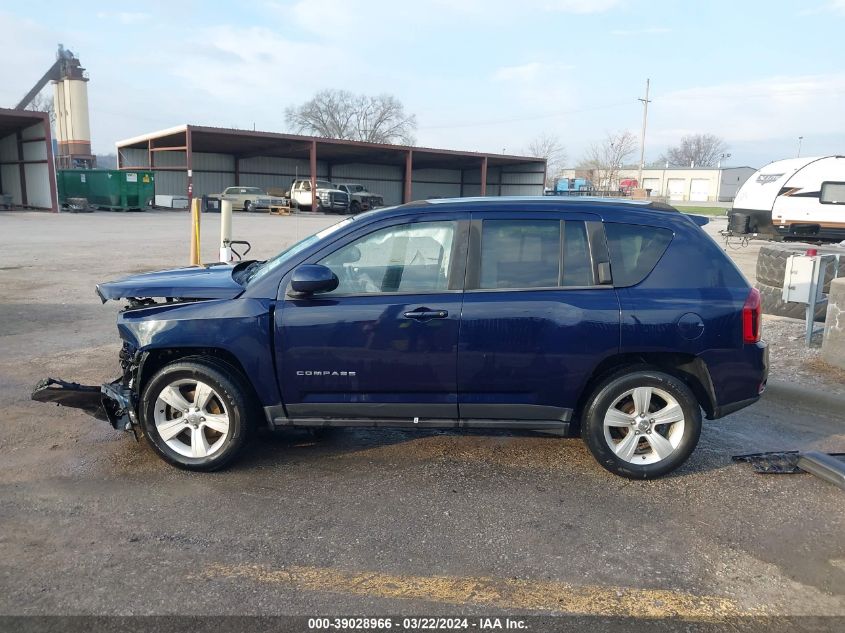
(677, 188)
(699, 190)
(653, 184)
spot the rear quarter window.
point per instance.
(634, 250)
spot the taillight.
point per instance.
(751, 317)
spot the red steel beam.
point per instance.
(22, 169)
(313, 160)
(409, 174)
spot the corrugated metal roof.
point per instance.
(203, 137)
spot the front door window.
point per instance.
(411, 258)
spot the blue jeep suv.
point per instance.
(618, 320)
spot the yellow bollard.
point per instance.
(195, 232)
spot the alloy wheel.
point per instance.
(191, 418)
(644, 425)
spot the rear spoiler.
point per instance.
(700, 220)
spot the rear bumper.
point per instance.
(739, 383)
(111, 402)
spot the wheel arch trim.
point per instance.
(691, 369)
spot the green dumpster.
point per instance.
(112, 189)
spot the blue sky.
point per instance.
(483, 75)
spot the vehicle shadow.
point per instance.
(506, 449)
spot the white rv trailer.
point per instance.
(796, 197)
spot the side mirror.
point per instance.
(310, 279)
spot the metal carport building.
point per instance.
(196, 160)
(27, 173)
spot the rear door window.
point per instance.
(634, 250)
(520, 253)
(534, 253)
(577, 265)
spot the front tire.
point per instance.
(248, 206)
(642, 424)
(354, 207)
(195, 414)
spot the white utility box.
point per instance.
(799, 278)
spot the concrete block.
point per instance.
(833, 345)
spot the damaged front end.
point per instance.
(115, 402)
(162, 312)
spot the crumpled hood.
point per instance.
(210, 282)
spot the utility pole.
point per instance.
(645, 103)
(800, 138)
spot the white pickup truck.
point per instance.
(330, 199)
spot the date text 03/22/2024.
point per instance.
(417, 624)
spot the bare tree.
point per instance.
(342, 114)
(551, 148)
(604, 159)
(43, 102)
(698, 150)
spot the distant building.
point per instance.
(680, 184)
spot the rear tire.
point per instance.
(641, 423)
(196, 413)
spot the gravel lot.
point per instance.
(371, 522)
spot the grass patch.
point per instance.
(712, 211)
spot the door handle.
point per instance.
(424, 314)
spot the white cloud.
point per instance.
(577, 6)
(832, 6)
(259, 69)
(531, 71)
(753, 111)
(398, 20)
(493, 7)
(29, 49)
(651, 30)
(837, 6)
(125, 17)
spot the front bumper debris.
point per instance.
(827, 466)
(111, 402)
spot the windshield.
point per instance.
(261, 269)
